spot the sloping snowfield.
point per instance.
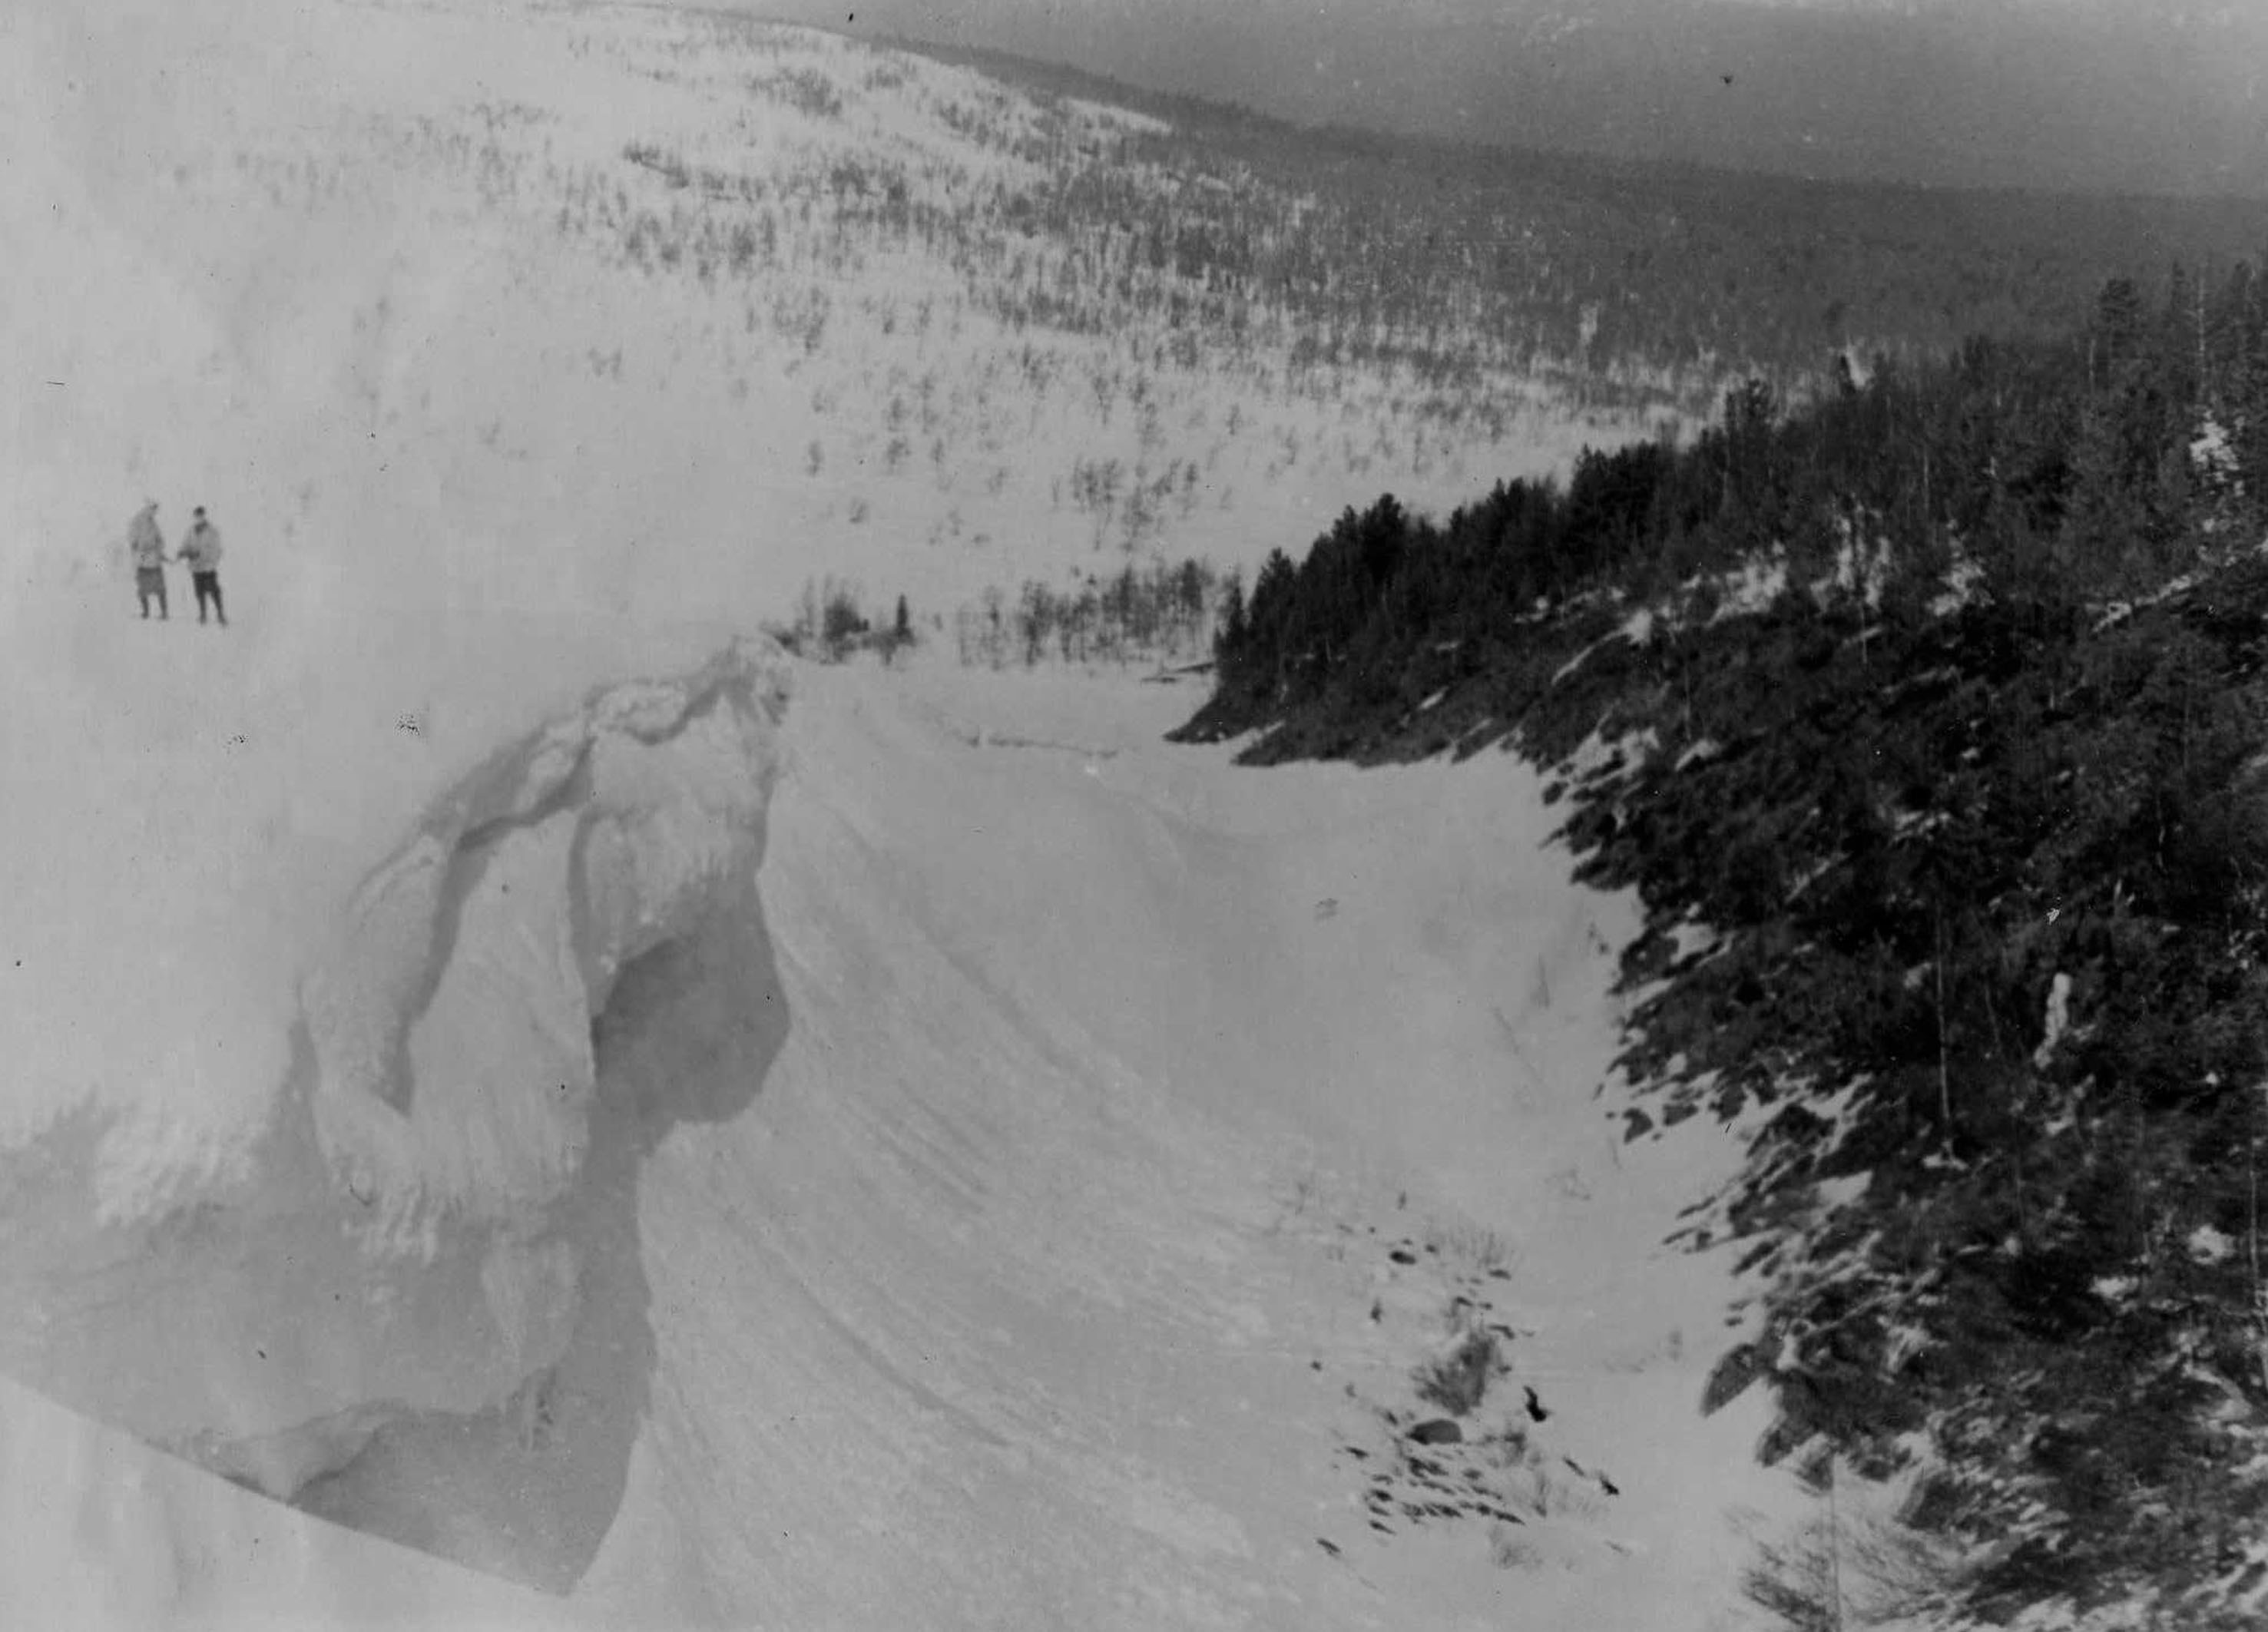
(521, 1106)
(1024, 1206)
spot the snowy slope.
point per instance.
(987, 1213)
(519, 1109)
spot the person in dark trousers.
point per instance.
(200, 549)
(147, 545)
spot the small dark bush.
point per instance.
(1458, 1381)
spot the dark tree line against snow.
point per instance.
(830, 623)
(1929, 722)
(1157, 612)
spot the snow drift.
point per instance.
(414, 1228)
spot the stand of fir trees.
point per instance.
(1931, 723)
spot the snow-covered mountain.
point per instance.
(524, 1106)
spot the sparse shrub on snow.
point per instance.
(1459, 1380)
(669, 166)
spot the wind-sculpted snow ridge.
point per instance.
(451, 1029)
(443, 1179)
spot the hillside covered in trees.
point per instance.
(1624, 284)
(1929, 724)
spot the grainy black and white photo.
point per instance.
(1134, 815)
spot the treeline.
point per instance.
(1940, 705)
(1159, 612)
(2089, 466)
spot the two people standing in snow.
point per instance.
(200, 549)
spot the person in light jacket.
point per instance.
(147, 545)
(200, 549)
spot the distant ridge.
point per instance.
(1769, 271)
(2087, 99)
(1483, 155)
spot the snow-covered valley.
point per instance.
(525, 1106)
(1025, 1202)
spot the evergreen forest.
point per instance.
(1929, 721)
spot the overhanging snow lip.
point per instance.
(317, 1314)
(363, 1002)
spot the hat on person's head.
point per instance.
(199, 512)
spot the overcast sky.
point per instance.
(2108, 95)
